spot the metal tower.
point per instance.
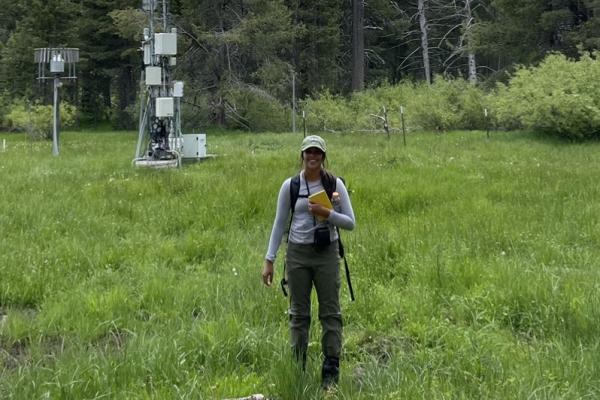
(160, 142)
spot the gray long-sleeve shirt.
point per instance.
(303, 222)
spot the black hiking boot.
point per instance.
(330, 373)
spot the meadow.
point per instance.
(475, 265)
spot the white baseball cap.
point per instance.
(314, 141)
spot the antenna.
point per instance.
(53, 60)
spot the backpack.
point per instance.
(329, 182)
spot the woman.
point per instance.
(312, 257)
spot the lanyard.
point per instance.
(307, 196)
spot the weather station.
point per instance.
(161, 143)
(51, 63)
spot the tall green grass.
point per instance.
(475, 264)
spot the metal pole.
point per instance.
(164, 15)
(487, 123)
(55, 117)
(142, 130)
(304, 122)
(142, 116)
(152, 25)
(178, 120)
(403, 128)
(293, 102)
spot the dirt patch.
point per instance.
(383, 348)
(13, 355)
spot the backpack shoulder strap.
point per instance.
(294, 194)
(294, 191)
(330, 183)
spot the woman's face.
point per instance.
(313, 158)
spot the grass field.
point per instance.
(475, 264)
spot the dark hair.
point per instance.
(327, 179)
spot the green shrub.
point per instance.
(36, 119)
(435, 107)
(4, 106)
(370, 102)
(473, 102)
(253, 109)
(443, 105)
(559, 96)
(328, 112)
(336, 113)
(446, 104)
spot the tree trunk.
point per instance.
(469, 43)
(220, 112)
(422, 5)
(222, 78)
(126, 97)
(358, 45)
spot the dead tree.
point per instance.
(422, 6)
(469, 42)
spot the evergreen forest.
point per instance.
(239, 59)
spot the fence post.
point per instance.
(304, 122)
(403, 128)
(293, 101)
(385, 123)
(487, 123)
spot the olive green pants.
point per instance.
(307, 266)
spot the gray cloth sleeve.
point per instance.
(281, 218)
(343, 215)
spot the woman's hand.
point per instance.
(267, 273)
(319, 210)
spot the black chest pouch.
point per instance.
(322, 237)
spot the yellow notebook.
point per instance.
(321, 198)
